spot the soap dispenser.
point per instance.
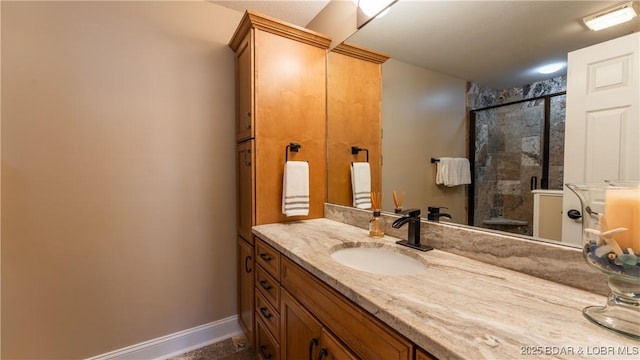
(375, 225)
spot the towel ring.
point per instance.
(293, 147)
(355, 150)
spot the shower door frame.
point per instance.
(544, 179)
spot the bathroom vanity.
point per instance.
(458, 308)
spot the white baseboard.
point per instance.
(177, 343)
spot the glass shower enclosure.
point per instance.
(514, 148)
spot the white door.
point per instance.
(602, 130)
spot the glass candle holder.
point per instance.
(611, 244)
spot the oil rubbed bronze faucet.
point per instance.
(435, 214)
(411, 216)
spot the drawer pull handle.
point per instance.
(265, 257)
(322, 353)
(265, 312)
(246, 264)
(264, 353)
(312, 343)
(265, 285)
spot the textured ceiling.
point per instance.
(495, 43)
(491, 42)
(292, 11)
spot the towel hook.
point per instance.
(355, 150)
(293, 147)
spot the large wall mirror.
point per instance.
(451, 62)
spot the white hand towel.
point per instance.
(442, 170)
(453, 172)
(295, 188)
(361, 184)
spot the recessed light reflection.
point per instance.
(551, 68)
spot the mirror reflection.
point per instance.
(455, 86)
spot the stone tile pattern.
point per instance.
(549, 261)
(509, 151)
(460, 308)
(235, 348)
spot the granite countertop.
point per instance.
(459, 308)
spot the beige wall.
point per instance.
(423, 116)
(118, 175)
(337, 19)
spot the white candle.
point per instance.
(622, 210)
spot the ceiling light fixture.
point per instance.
(610, 17)
(550, 68)
(374, 7)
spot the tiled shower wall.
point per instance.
(509, 152)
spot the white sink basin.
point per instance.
(379, 260)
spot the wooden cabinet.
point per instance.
(300, 317)
(300, 331)
(304, 337)
(354, 88)
(245, 271)
(244, 89)
(362, 333)
(268, 301)
(245, 153)
(280, 98)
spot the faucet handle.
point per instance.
(411, 212)
(435, 209)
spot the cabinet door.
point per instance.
(245, 288)
(332, 349)
(354, 88)
(300, 332)
(244, 95)
(290, 105)
(245, 156)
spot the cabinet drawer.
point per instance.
(268, 258)
(268, 287)
(366, 336)
(268, 315)
(267, 347)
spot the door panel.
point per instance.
(246, 290)
(245, 160)
(300, 331)
(603, 120)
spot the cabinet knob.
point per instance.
(265, 312)
(264, 353)
(265, 285)
(265, 257)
